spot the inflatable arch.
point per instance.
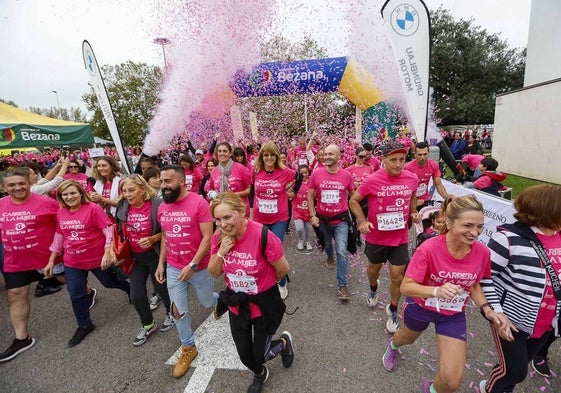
(342, 74)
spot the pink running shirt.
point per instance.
(138, 225)
(332, 191)
(424, 173)
(270, 202)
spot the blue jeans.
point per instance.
(77, 285)
(279, 229)
(339, 232)
(203, 284)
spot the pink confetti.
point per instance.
(543, 388)
(345, 369)
(423, 351)
(489, 364)
(480, 372)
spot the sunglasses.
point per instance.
(73, 166)
(361, 157)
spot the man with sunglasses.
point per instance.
(360, 170)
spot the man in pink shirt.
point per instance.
(27, 227)
(186, 232)
(392, 198)
(425, 169)
(328, 191)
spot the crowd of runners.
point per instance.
(196, 213)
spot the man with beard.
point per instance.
(328, 192)
(186, 232)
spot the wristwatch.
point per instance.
(193, 266)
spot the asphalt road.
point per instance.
(338, 346)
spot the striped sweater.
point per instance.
(518, 276)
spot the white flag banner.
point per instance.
(407, 25)
(98, 85)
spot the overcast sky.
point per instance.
(42, 39)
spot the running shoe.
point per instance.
(309, 246)
(330, 263)
(168, 323)
(17, 347)
(425, 386)
(300, 245)
(91, 297)
(483, 386)
(155, 301)
(287, 353)
(390, 358)
(80, 334)
(187, 355)
(258, 381)
(541, 367)
(143, 335)
(372, 298)
(393, 320)
(283, 290)
(343, 293)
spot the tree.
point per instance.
(9, 102)
(72, 114)
(133, 93)
(469, 67)
(285, 114)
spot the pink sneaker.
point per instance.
(425, 386)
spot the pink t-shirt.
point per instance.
(270, 202)
(193, 179)
(359, 173)
(239, 180)
(139, 225)
(546, 313)
(27, 231)
(389, 198)
(180, 225)
(374, 163)
(84, 241)
(80, 178)
(332, 191)
(424, 173)
(299, 156)
(106, 193)
(245, 268)
(473, 160)
(432, 264)
(300, 209)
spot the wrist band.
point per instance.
(220, 256)
(434, 292)
(437, 300)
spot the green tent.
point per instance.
(19, 128)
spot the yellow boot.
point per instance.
(187, 355)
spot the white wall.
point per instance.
(527, 137)
(544, 46)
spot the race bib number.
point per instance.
(188, 182)
(330, 196)
(244, 284)
(422, 189)
(456, 304)
(302, 161)
(390, 221)
(269, 206)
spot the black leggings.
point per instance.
(253, 349)
(513, 360)
(145, 264)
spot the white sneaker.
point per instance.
(143, 335)
(309, 246)
(482, 386)
(283, 291)
(393, 320)
(300, 245)
(168, 323)
(372, 298)
(155, 301)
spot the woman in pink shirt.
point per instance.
(229, 175)
(193, 175)
(83, 237)
(269, 195)
(250, 272)
(442, 274)
(107, 173)
(75, 174)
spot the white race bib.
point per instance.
(422, 189)
(267, 206)
(330, 196)
(456, 304)
(390, 221)
(302, 161)
(244, 284)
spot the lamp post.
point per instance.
(163, 42)
(58, 103)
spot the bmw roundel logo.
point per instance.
(405, 20)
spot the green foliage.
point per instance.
(469, 67)
(133, 92)
(72, 114)
(9, 102)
